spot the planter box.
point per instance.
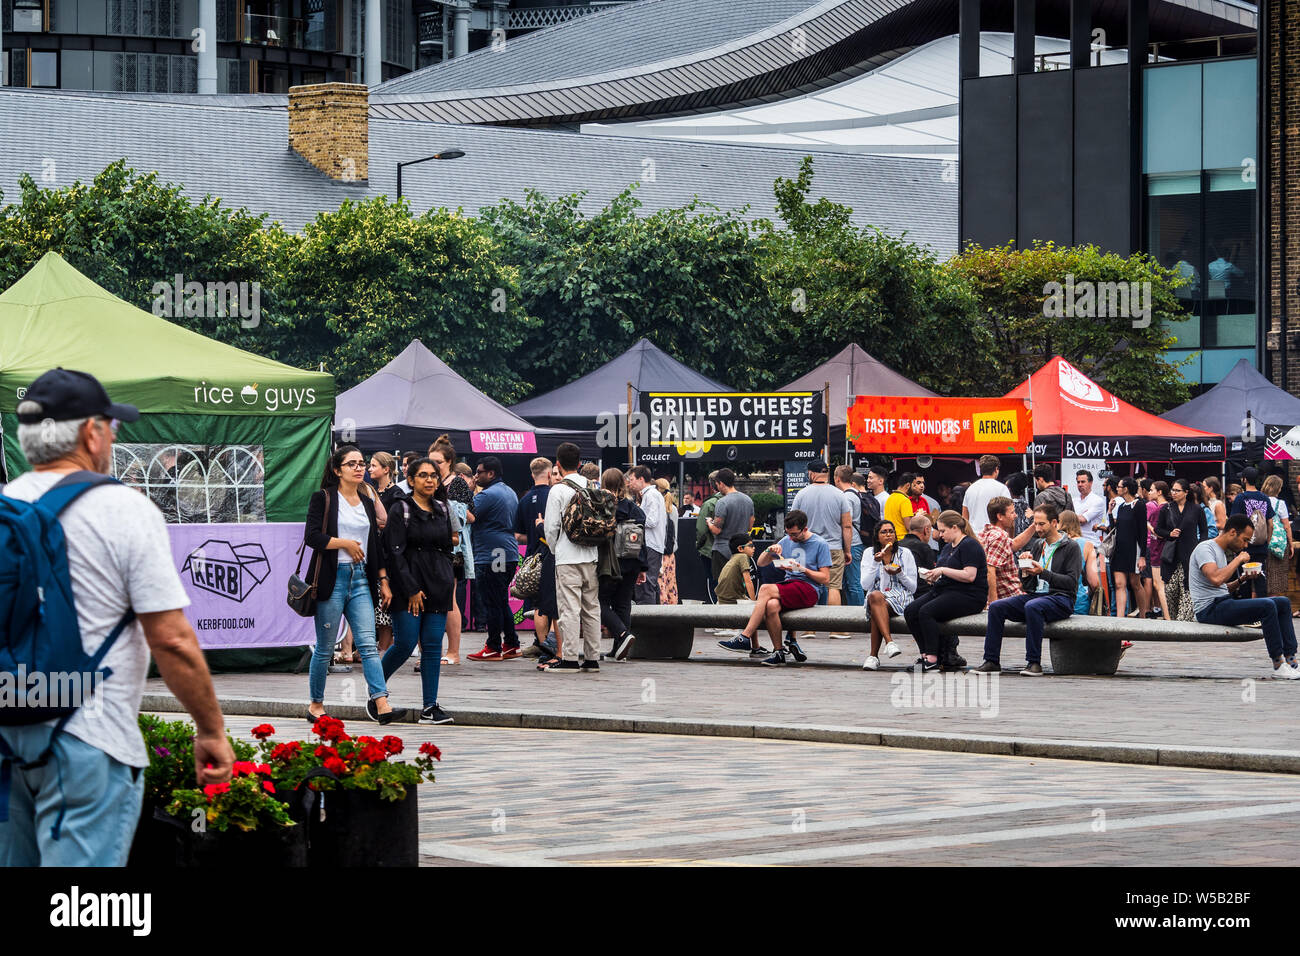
(273, 848)
(357, 828)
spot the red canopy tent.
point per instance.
(1075, 418)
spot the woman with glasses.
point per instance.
(421, 534)
(343, 532)
(1180, 526)
(460, 497)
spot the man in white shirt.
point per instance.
(577, 589)
(878, 484)
(1090, 507)
(641, 481)
(975, 503)
(81, 806)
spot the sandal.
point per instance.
(312, 718)
(450, 660)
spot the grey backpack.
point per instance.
(628, 538)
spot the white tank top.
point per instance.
(354, 523)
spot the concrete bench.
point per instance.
(1081, 644)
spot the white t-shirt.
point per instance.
(354, 524)
(656, 519)
(882, 497)
(977, 498)
(119, 557)
(1090, 510)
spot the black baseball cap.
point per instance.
(817, 465)
(62, 395)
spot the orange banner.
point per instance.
(907, 425)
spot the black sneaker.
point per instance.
(794, 650)
(759, 651)
(622, 646)
(954, 662)
(988, 667)
(1032, 670)
(923, 666)
(590, 666)
(564, 667)
(372, 711)
(434, 714)
(776, 660)
(738, 643)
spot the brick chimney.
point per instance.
(329, 126)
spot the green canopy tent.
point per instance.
(223, 435)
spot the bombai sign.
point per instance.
(1129, 448)
(728, 426)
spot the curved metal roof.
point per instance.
(628, 62)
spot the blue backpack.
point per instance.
(40, 636)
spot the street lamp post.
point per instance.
(445, 154)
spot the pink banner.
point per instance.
(521, 443)
(236, 576)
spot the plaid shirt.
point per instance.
(997, 546)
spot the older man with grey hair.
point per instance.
(74, 797)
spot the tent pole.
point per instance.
(848, 397)
(826, 405)
(631, 448)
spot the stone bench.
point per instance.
(1081, 644)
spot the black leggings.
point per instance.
(938, 604)
(616, 603)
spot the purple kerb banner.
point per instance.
(521, 443)
(237, 576)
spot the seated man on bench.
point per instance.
(1213, 584)
(1049, 578)
(806, 560)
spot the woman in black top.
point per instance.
(461, 498)
(348, 580)
(1129, 555)
(421, 533)
(619, 578)
(959, 587)
(1182, 523)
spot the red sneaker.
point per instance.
(510, 652)
(487, 654)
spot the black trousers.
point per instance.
(1256, 587)
(938, 604)
(616, 604)
(493, 589)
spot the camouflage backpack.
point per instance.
(591, 515)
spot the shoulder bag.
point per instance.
(302, 596)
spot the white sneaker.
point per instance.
(839, 636)
(805, 636)
(1285, 671)
(872, 663)
(892, 649)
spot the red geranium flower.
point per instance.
(268, 786)
(324, 751)
(330, 728)
(431, 749)
(374, 753)
(286, 751)
(212, 789)
(262, 731)
(335, 766)
(392, 744)
(243, 767)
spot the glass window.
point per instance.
(92, 16)
(1171, 103)
(1216, 363)
(45, 68)
(1191, 372)
(1229, 116)
(1230, 240)
(28, 16)
(1238, 330)
(1187, 332)
(1174, 219)
(78, 70)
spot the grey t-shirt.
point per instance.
(855, 508)
(824, 505)
(1203, 592)
(119, 557)
(736, 512)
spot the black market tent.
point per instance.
(417, 397)
(576, 406)
(1244, 393)
(852, 371)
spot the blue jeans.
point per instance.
(351, 596)
(428, 629)
(1035, 610)
(1274, 614)
(100, 797)
(853, 579)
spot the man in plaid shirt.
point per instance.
(995, 537)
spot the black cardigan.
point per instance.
(1191, 522)
(329, 557)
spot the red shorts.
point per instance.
(796, 595)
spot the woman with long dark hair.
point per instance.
(1158, 501)
(1181, 526)
(888, 580)
(343, 532)
(421, 534)
(618, 576)
(460, 497)
(1129, 558)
